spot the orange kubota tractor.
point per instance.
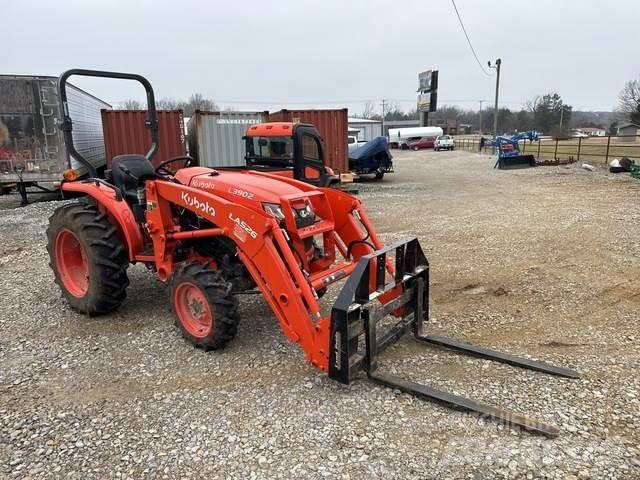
(212, 234)
(293, 150)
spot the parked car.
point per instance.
(423, 142)
(444, 142)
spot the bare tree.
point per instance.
(393, 111)
(168, 104)
(369, 110)
(629, 101)
(132, 104)
(197, 101)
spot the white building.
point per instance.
(366, 129)
(593, 131)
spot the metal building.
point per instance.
(388, 124)
(367, 129)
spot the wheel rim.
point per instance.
(71, 263)
(192, 308)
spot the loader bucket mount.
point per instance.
(356, 344)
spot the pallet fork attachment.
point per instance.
(355, 343)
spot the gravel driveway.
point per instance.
(542, 262)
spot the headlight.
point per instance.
(305, 216)
(274, 209)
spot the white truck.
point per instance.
(353, 142)
(444, 142)
(399, 137)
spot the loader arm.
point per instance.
(266, 251)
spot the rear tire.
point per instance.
(88, 259)
(379, 175)
(205, 308)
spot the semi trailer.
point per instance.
(32, 147)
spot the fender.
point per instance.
(118, 209)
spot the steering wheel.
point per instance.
(161, 168)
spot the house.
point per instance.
(629, 132)
(592, 131)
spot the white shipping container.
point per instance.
(215, 138)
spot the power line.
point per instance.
(469, 40)
(284, 103)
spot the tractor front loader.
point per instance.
(212, 234)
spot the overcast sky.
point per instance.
(256, 55)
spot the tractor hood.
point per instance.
(243, 187)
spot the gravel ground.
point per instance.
(542, 262)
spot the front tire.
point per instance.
(88, 259)
(415, 149)
(205, 308)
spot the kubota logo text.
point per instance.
(244, 225)
(191, 201)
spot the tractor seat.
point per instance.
(137, 169)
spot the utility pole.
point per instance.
(495, 107)
(481, 116)
(561, 115)
(383, 112)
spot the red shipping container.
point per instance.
(124, 132)
(332, 126)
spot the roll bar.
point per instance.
(67, 125)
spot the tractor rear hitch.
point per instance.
(356, 344)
